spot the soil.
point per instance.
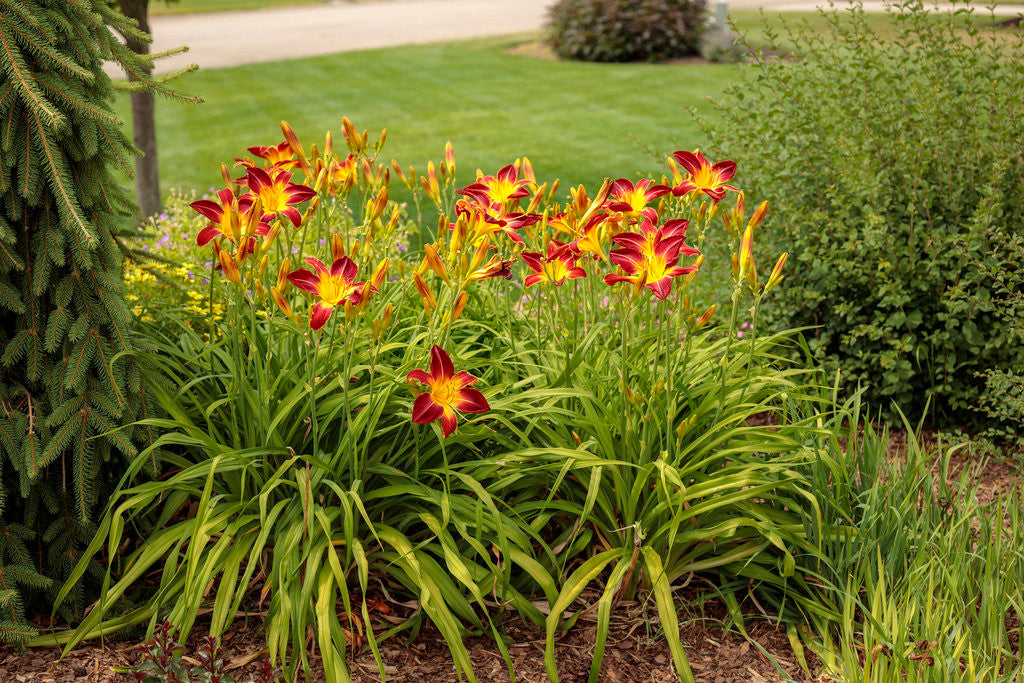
(635, 650)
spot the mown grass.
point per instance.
(575, 121)
(197, 6)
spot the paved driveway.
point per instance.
(250, 36)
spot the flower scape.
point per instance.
(483, 395)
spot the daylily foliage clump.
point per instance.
(531, 396)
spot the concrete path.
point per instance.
(248, 36)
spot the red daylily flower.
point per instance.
(650, 258)
(485, 222)
(558, 266)
(704, 177)
(449, 393)
(279, 155)
(629, 198)
(230, 219)
(498, 189)
(278, 193)
(335, 287)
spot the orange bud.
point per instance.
(396, 215)
(528, 171)
(337, 247)
(776, 275)
(735, 267)
(258, 288)
(293, 142)
(385, 319)
(758, 216)
(225, 174)
(380, 273)
(430, 184)
(282, 283)
(460, 303)
(677, 177)
(398, 172)
(429, 302)
(435, 263)
(705, 317)
(263, 266)
(376, 207)
(328, 144)
(381, 140)
(746, 250)
(228, 265)
(449, 158)
(554, 189)
(282, 303)
(352, 139)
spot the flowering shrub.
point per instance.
(532, 398)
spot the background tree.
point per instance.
(70, 387)
(147, 169)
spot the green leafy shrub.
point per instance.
(625, 30)
(69, 382)
(894, 163)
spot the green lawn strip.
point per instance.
(198, 6)
(578, 122)
(753, 24)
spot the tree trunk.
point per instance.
(147, 176)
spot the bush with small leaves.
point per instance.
(625, 30)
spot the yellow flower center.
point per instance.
(273, 198)
(705, 178)
(444, 393)
(334, 291)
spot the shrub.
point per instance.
(625, 30)
(323, 445)
(895, 165)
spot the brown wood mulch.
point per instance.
(635, 651)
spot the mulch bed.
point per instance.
(635, 651)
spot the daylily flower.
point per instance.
(335, 287)
(498, 189)
(703, 176)
(558, 266)
(484, 221)
(278, 194)
(231, 219)
(632, 199)
(279, 155)
(449, 393)
(495, 267)
(650, 258)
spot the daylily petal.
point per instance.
(471, 401)
(424, 410)
(440, 364)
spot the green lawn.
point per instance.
(193, 6)
(576, 121)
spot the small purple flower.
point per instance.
(295, 250)
(164, 216)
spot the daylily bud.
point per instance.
(376, 207)
(337, 246)
(385, 319)
(396, 215)
(228, 265)
(328, 144)
(258, 288)
(776, 275)
(282, 303)
(263, 266)
(225, 174)
(758, 216)
(704, 318)
(735, 266)
(398, 172)
(746, 250)
(554, 189)
(528, 171)
(685, 425)
(380, 273)
(429, 302)
(460, 303)
(321, 180)
(430, 184)
(677, 177)
(752, 276)
(381, 140)
(283, 283)
(352, 139)
(293, 142)
(435, 263)
(449, 158)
